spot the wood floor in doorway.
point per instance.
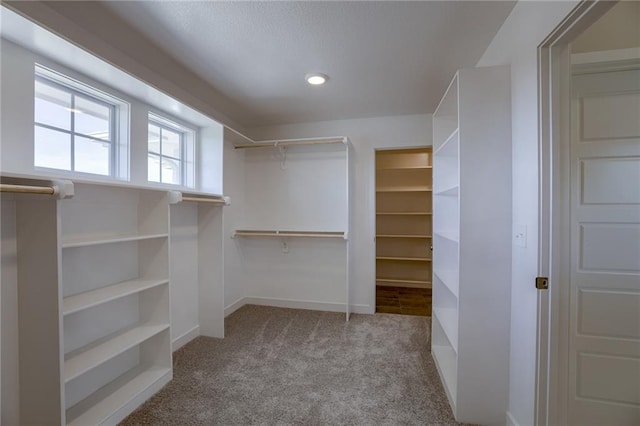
(402, 300)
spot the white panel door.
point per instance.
(604, 339)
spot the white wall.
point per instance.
(8, 310)
(516, 44)
(304, 190)
(366, 136)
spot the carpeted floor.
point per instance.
(296, 367)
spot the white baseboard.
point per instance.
(180, 341)
(234, 306)
(510, 420)
(362, 309)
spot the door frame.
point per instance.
(554, 131)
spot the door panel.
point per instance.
(612, 180)
(604, 339)
(610, 115)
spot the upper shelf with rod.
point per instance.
(222, 200)
(295, 142)
(241, 141)
(282, 234)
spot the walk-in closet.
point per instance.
(403, 231)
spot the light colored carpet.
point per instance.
(296, 367)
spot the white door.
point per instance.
(604, 307)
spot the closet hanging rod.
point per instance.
(298, 142)
(271, 233)
(205, 200)
(27, 189)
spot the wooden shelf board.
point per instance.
(84, 242)
(404, 213)
(449, 278)
(451, 191)
(402, 236)
(86, 358)
(448, 319)
(102, 404)
(404, 259)
(405, 168)
(446, 363)
(390, 282)
(96, 297)
(404, 189)
(446, 143)
(448, 234)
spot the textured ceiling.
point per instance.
(383, 58)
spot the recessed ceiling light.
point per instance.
(316, 79)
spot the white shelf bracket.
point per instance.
(174, 197)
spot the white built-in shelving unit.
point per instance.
(296, 196)
(403, 217)
(114, 245)
(207, 269)
(471, 243)
(94, 306)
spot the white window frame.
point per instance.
(187, 150)
(118, 124)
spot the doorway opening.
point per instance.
(403, 231)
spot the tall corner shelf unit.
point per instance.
(205, 267)
(296, 191)
(94, 303)
(403, 218)
(471, 243)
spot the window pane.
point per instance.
(171, 143)
(154, 140)
(52, 106)
(153, 167)
(52, 149)
(171, 171)
(92, 118)
(92, 156)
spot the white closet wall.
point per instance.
(297, 189)
(366, 136)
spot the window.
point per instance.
(74, 126)
(170, 152)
